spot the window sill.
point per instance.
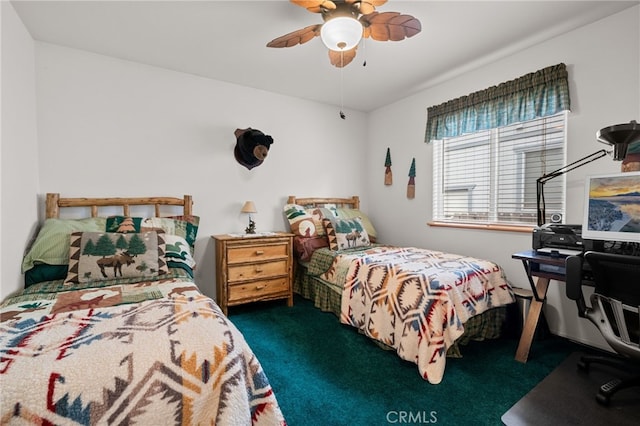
(488, 227)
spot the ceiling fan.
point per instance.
(346, 23)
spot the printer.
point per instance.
(556, 238)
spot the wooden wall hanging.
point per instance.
(388, 176)
(411, 187)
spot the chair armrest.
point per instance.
(573, 277)
(573, 281)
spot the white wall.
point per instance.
(108, 127)
(603, 60)
(18, 153)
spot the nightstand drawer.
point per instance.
(257, 270)
(257, 253)
(258, 290)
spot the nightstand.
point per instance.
(253, 268)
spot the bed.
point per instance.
(421, 303)
(111, 328)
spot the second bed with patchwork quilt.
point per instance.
(418, 302)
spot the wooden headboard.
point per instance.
(351, 202)
(54, 202)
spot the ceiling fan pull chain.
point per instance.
(342, 114)
(364, 52)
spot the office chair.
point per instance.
(614, 310)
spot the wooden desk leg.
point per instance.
(529, 329)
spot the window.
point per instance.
(489, 176)
(491, 146)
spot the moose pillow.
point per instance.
(346, 233)
(101, 256)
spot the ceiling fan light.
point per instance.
(342, 33)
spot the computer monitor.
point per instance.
(612, 207)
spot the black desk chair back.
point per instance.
(614, 310)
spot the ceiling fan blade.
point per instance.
(317, 6)
(342, 58)
(366, 6)
(296, 37)
(390, 26)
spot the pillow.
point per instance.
(182, 226)
(345, 213)
(177, 253)
(43, 272)
(99, 256)
(305, 246)
(346, 233)
(51, 245)
(308, 222)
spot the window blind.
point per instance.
(490, 176)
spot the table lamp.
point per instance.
(249, 207)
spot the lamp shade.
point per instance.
(249, 207)
(620, 136)
(341, 33)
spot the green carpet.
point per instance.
(325, 373)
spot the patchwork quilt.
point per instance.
(416, 301)
(151, 353)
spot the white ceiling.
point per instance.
(226, 40)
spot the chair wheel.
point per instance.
(603, 399)
(583, 366)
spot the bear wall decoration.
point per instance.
(252, 147)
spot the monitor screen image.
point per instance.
(612, 207)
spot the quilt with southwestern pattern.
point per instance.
(149, 353)
(417, 301)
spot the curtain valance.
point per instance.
(537, 94)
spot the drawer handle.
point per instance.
(260, 287)
(258, 270)
(259, 252)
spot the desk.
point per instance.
(545, 268)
